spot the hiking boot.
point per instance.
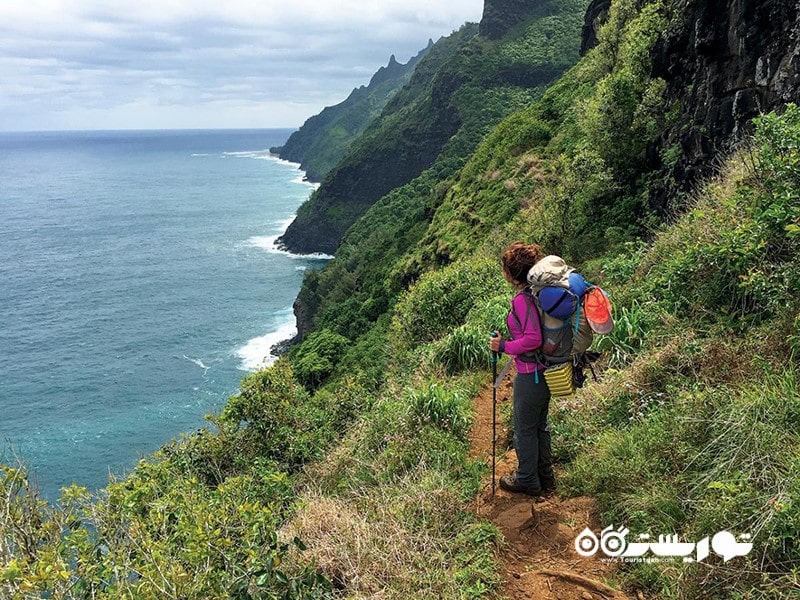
(510, 484)
(548, 485)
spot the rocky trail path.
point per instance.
(538, 556)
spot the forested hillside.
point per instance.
(324, 139)
(463, 87)
(345, 470)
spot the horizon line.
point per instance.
(147, 129)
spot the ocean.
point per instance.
(139, 282)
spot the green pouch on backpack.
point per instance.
(559, 380)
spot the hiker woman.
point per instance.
(534, 475)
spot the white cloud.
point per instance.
(180, 63)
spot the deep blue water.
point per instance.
(138, 283)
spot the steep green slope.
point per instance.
(567, 171)
(360, 283)
(698, 431)
(461, 89)
(324, 139)
(571, 159)
(695, 431)
(357, 442)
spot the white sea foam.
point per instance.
(268, 243)
(198, 362)
(301, 179)
(261, 155)
(201, 154)
(257, 352)
(267, 155)
(258, 154)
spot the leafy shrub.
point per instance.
(491, 314)
(157, 535)
(316, 358)
(632, 325)
(367, 358)
(465, 348)
(441, 300)
(620, 269)
(275, 417)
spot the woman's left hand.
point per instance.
(494, 342)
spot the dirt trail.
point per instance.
(539, 558)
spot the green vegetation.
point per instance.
(197, 520)
(386, 512)
(462, 88)
(376, 260)
(315, 360)
(700, 431)
(325, 139)
(357, 442)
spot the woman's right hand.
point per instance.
(494, 341)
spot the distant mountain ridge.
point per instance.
(324, 139)
(464, 86)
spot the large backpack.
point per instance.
(559, 294)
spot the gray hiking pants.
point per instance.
(531, 431)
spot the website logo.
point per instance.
(614, 545)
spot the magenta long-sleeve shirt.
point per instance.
(526, 334)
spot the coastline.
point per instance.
(286, 332)
(161, 350)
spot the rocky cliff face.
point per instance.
(596, 14)
(376, 168)
(501, 15)
(396, 147)
(726, 62)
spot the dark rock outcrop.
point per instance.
(501, 15)
(727, 62)
(595, 16)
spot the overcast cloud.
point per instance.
(91, 64)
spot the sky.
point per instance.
(165, 64)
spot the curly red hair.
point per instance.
(518, 259)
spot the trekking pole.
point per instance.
(494, 412)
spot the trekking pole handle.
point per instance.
(494, 334)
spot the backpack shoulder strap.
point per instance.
(531, 304)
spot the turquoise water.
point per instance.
(138, 284)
